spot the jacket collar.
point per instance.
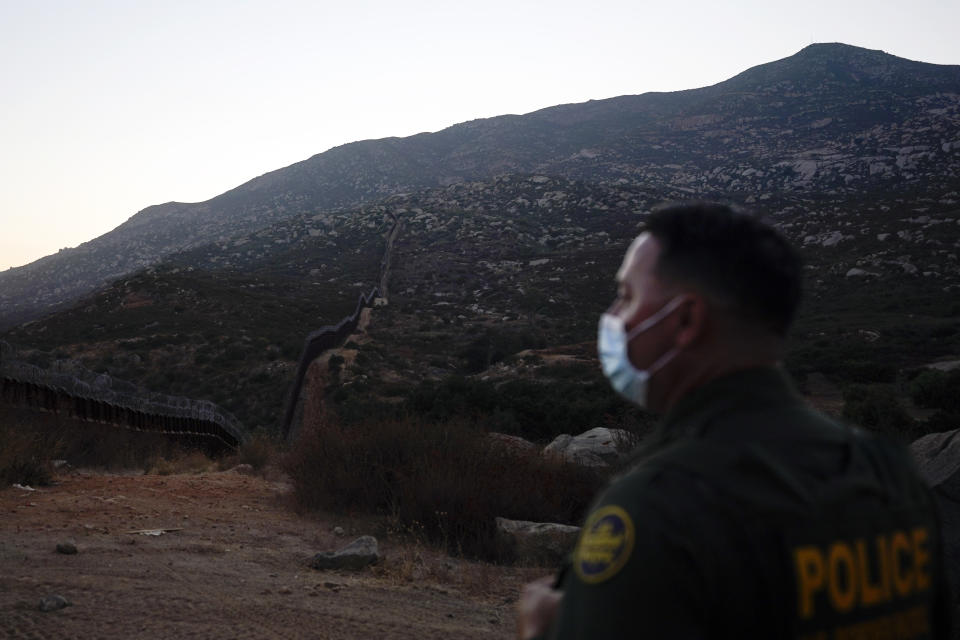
(757, 388)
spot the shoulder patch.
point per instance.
(605, 544)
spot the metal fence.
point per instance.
(67, 387)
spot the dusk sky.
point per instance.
(111, 106)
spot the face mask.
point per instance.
(612, 341)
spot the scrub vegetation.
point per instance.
(445, 481)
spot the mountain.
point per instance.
(508, 233)
(502, 281)
(833, 120)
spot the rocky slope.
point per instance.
(832, 119)
(491, 279)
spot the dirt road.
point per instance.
(235, 568)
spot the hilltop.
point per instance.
(832, 119)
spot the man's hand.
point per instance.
(537, 608)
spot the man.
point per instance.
(747, 514)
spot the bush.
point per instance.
(534, 409)
(943, 421)
(937, 390)
(22, 459)
(258, 451)
(335, 363)
(444, 479)
(877, 408)
(31, 440)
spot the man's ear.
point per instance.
(691, 320)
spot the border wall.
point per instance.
(70, 389)
(329, 337)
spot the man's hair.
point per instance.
(732, 256)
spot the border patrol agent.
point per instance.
(747, 514)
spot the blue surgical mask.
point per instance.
(612, 342)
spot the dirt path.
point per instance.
(235, 569)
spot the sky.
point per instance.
(108, 107)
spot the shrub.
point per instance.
(22, 460)
(533, 409)
(445, 479)
(943, 421)
(877, 408)
(258, 451)
(182, 462)
(937, 390)
(30, 440)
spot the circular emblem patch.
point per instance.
(605, 544)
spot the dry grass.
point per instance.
(183, 462)
(425, 563)
(30, 441)
(260, 451)
(443, 483)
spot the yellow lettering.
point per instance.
(810, 577)
(870, 594)
(853, 573)
(884, 567)
(921, 558)
(902, 580)
(843, 593)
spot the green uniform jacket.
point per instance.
(750, 515)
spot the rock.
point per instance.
(558, 445)
(945, 365)
(860, 273)
(356, 555)
(243, 469)
(908, 268)
(938, 457)
(514, 445)
(67, 548)
(53, 603)
(536, 542)
(597, 447)
(338, 531)
(834, 239)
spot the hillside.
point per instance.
(832, 119)
(855, 154)
(491, 280)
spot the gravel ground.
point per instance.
(232, 564)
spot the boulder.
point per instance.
(536, 543)
(53, 603)
(513, 445)
(358, 554)
(599, 447)
(938, 457)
